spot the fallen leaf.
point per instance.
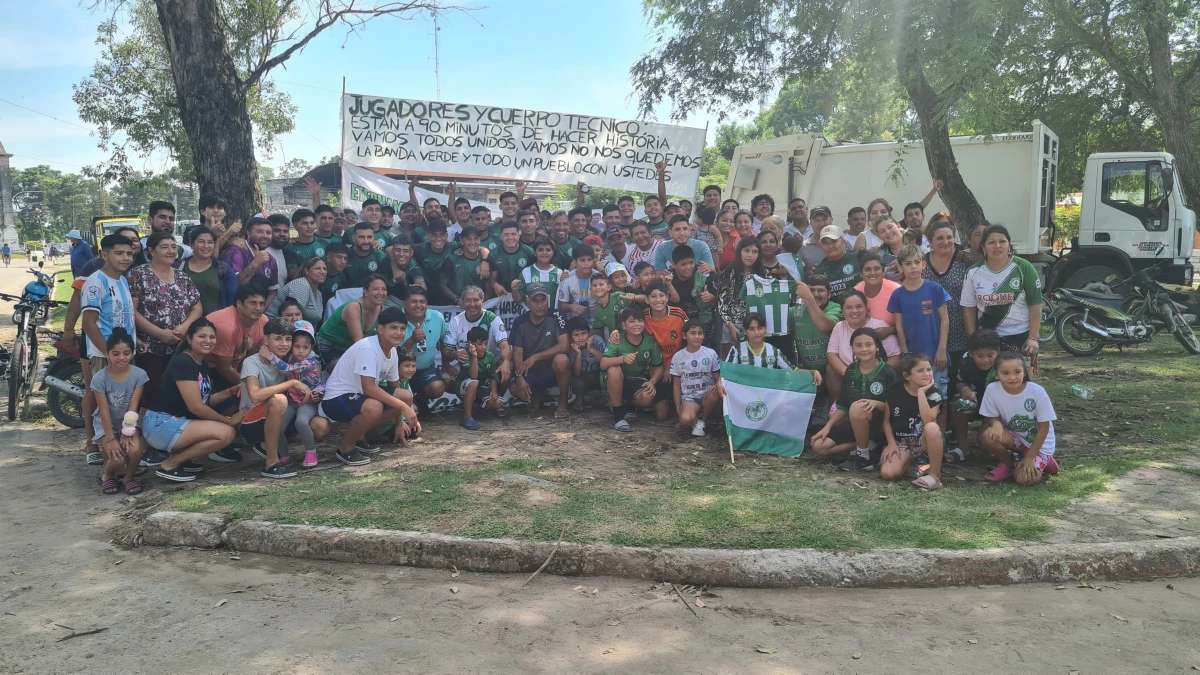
(983, 606)
(1060, 588)
(882, 497)
(1083, 583)
(1041, 614)
(118, 562)
(614, 623)
(1104, 434)
(696, 453)
(609, 651)
(454, 589)
(959, 478)
(973, 642)
(454, 573)
(394, 618)
(1118, 617)
(856, 655)
(699, 603)
(219, 603)
(595, 591)
(765, 650)
(428, 492)
(577, 588)
(304, 492)
(234, 557)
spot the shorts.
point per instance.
(329, 351)
(254, 432)
(162, 431)
(844, 433)
(1020, 448)
(540, 379)
(911, 447)
(1015, 343)
(941, 380)
(424, 378)
(698, 399)
(342, 408)
(481, 394)
(631, 387)
(97, 363)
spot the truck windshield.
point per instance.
(1136, 188)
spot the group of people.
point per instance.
(909, 328)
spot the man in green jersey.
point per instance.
(404, 270)
(364, 259)
(305, 245)
(811, 329)
(633, 373)
(410, 218)
(528, 221)
(470, 267)
(436, 259)
(509, 259)
(564, 243)
(481, 218)
(326, 219)
(840, 265)
(336, 258)
(654, 218)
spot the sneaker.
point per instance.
(623, 426)
(856, 463)
(698, 428)
(470, 424)
(152, 458)
(280, 470)
(177, 474)
(366, 448)
(258, 450)
(1051, 466)
(95, 458)
(226, 456)
(352, 458)
(192, 466)
(310, 459)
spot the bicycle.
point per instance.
(23, 357)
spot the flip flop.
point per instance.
(1001, 473)
(110, 486)
(562, 415)
(132, 487)
(927, 482)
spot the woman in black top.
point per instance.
(179, 420)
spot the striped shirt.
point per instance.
(769, 357)
(770, 299)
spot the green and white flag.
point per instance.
(767, 410)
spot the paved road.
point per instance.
(57, 568)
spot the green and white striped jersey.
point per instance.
(548, 278)
(769, 298)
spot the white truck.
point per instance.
(1131, 202)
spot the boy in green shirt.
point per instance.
(436, 258)
(606, 306)
(632, 372)
(509, 259)
(477, 381)
(305, 245)
(470, 267)
(336, 257)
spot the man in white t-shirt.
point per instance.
(353, 394)
(473, 315)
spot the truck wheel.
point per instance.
(1092, 279)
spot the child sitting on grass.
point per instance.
(477, 380)
(585, 350)
(1018, 427)
(633, 372)
(305, 366)
(910, 426)
(856, 423)
(118, 390)
(696, 370)
(976, 370)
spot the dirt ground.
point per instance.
(61, 576)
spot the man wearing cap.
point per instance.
(410, 220)
(508, 260)
(539, 352)
(840, 265)
(617, 251)
(81, 253)
(810, 251)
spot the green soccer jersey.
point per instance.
(295, 253)
(842, 274)
(604, 319)
(358, 268)
(332, 285)
(509, 265)
(488, 366)
(434, 263)
(659, 230)
(770, 299)
(492, 243)
(648, 356)
(564, 254)
(466, 273)
(548, 278)
(812, 344)
(873, 385)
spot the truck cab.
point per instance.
(1131, 204)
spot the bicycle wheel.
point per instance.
(16, 377)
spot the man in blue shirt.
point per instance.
(681, 236)
(81, 253)
(424, 337)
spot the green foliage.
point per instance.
(294, 168)
(1066, 225)
(130, 93)
(54, 203)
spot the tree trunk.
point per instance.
(939, 154)
(212, 105)
(1170, 106)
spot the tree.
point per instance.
(1152, 48)
(50, 203)
(294, 168)
(130, 94)
(219, 55)
(939, 50)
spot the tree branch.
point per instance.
(1103, 46)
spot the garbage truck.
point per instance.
(1131, 201)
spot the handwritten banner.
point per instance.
(459, 138)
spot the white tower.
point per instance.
(8, 220)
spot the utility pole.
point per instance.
(437, 62)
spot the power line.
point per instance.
(298, 84)
(52, 161)
(50, 116)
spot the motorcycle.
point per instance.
(36, 290)
(1088, 320)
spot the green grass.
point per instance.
(765, 501)
(62, 293)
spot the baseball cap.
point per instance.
(614, 267)
(305, 327)
(820, 211)
(529, 203)
(592, 240)
(831, 232)
(608, 234)
(535, 290)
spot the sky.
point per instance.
(573, 57)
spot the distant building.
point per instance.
(8, 219)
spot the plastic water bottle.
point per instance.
(1082, 391)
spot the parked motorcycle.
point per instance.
(36, 291)
(1088, 320)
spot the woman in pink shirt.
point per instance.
(878, 290)
(841, 354)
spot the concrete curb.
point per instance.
(767, 568)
